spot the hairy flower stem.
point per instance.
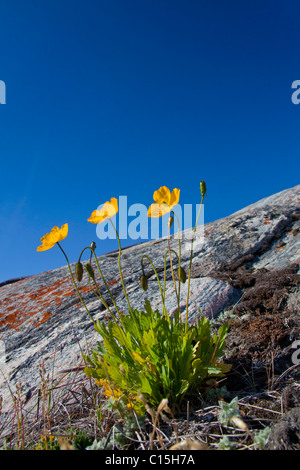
(179, 258)
(160, 288)
(165, 268)
(99, 295)
(75, 285)
(190, 268)
(106, 285)
(172, 270)
(120, 269)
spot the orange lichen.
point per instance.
(9, 308)
(24, 304)
(84, 289)
(46, 317)
(12, 320)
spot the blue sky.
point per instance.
(119, 97)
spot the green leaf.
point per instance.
(214, 371)
(158, 356)
(183, 388)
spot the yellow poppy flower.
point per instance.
(56, 235)
(164, 201)
(108, 391)
(108, 210)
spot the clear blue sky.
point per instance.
(119, 97)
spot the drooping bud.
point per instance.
(79, 271)
(90, 270)
(170, 221)
(144, 282)
(202, 188)
(181, 274)
(93, 246)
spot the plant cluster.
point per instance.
(147, 356)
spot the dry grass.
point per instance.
(73, 410)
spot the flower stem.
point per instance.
(99, 295)
(120, 269)
(172, 270)
(106, 285)
(178, 257)
(160, 288)
(190, 268)
(165, 268)
(75, 285)
(113, 316)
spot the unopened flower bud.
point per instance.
(170, 221)
(79, 271)
(144, 282)
(93, 246)
(202, 187)
(181, 274)
(90, 270)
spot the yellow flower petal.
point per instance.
(63, 232)
(56, 235)
(49, 237)
(174, 199)
(44, 247)
(109, 209)
(157, 210)
(165, 201)
(162, 195)
(114, 202)
(93, 217)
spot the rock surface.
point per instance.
(42, 320)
